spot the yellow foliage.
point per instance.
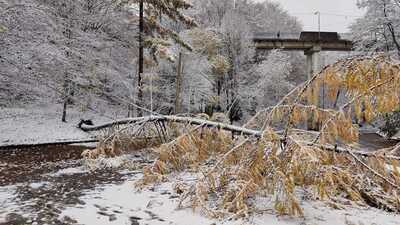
(219, 65)
(205, 41)
(232, 175)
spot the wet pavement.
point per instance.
(46, 180)
(372, 142)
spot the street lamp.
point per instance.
(319, 23)
(319, 39)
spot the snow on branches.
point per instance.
(233, 174)
(155, 28)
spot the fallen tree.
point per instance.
(176, 119)
(231, 172)
(237, 130)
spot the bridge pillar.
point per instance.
(313, 57)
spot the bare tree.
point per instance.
(377, 30)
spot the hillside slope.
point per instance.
(44, 42)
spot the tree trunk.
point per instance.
(178, 85)
(68, 55)
(65, 97)
(393, 33)
(391, 29)
(176, 119)
(64, 113)
(141, 57)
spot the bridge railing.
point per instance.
(305, 36)
(271, 35)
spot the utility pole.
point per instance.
(141, 57)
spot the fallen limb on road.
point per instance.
(212, 124)
(176, 119)
(232, 174)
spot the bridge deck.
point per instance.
(296, 44)
(306, 40)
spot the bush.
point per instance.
(392, 123)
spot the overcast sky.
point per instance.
(336, 15)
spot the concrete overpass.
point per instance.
(312, 43)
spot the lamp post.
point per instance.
(319, 39)
(319, 23)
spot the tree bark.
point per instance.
(64, 113)
(176, 119)
(178, 85)
(392, 31)
(141, 56)
(68, 54)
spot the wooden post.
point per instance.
(178, 85)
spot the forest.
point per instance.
(170, 112)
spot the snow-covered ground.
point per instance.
(117, 200)
(7, 193)
(123, 204)
(42, 124)
(66, 192)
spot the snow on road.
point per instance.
(7, 193)
(124, 204)
(76, 195)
